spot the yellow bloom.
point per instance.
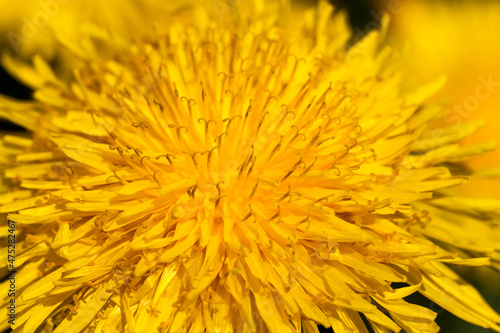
(241, 172)
(457, 39)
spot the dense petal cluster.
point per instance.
(243, 175)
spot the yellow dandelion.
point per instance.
(240, 173)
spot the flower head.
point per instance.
(239, 173)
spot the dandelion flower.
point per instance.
(240, 173)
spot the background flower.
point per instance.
(28, 26)
(36, 27)
(458, 39)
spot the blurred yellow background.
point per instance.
(461, 40)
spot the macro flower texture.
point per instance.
(236, 170)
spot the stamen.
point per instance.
(254, 189)
(192, 190)
(230, 120)
(233, 98)
(116, 175)
(269, 100)
(251, 166)
(356, 167)
(209, 156)
(305, 220)
(275, 216)
(178, 130)
(193, 157)
(297, 134)
(275, 149)
(113, 135)
(160, 105)
(142, 125)
(287, 194)
(249, 214)
(261, 121)
(154, 177)
(175, 90)
(167, 156)
(190, 103)
(287, 175)
(324, 199)
(219, 139)
(206, 125)
(249, 108)
(325, 140)
(203, 92)
(284, 107)
(311, 103)
(315, 138)
(309, 168)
